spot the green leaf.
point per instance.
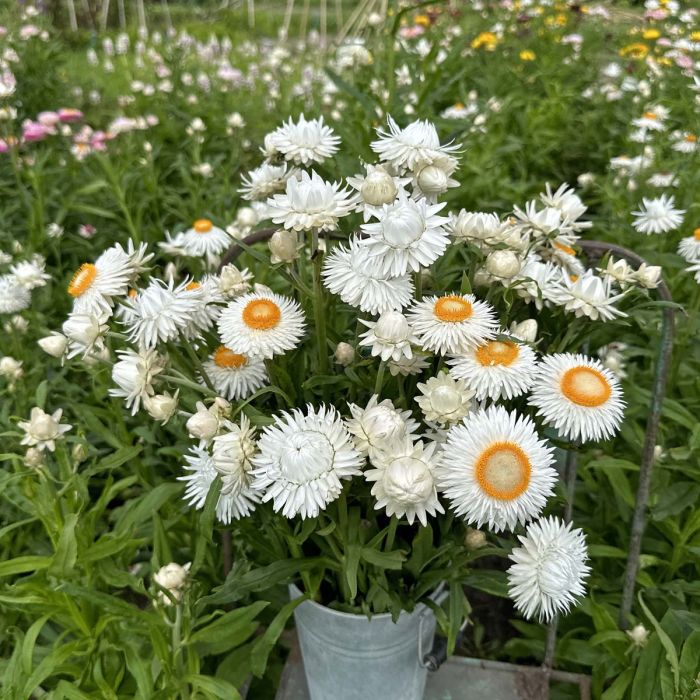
(675, 498)
(493, 582)
(216, 686)
(140, 670)
(618, 689)
(689, 666)
(29, 642)
(23, 565)
(351, 564)
(121, 456)
(384, 560)
(669, 648)
(63, 560)
(228, 631)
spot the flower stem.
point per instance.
(380, 378)
(319, 307)
(197, 363)
(177, 651)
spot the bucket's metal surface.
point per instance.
(351, 657)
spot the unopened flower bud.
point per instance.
(246, 217)
(378, 188)
(170, 271)
(432, 180)
(658, 452)
(10, 368)
(648, 276)
(161, 406)
(474, 539)
(221, 407)
(283, 246)
(34, 458)
(344, 354)
(481, 278)
(173, 578)
(54, 345)
(503, 264)
(203, 424)
(79, 453)
(525, 330)
(84, 329)
(638, 635)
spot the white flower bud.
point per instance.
(221, 407)
(173, 578)
(503, 264)
(432, 180)
(34, 458)
(10, 368)
(375, 19)
(203, 424)
(658, 452)
(648, 276)
(54, 345)
(482, 278)
(283, 246)
(246, 217)
(170, 271)
(344, 354)
(84, 329)
(392, 327)
(408, 481)
(378, 188)
(161, 406)
(475, 539)
(525, 330)
(79, 453)
(638, 635)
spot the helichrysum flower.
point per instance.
(235, 376)
(161, 407)
(351, 274)
(389, 337)
(304, 142)
(204, 240)
(134, 374)
(578, 396)
(375, 188)
(549, 569)
(303, 460)
(379, 425)
(452, 323)
(173, 578)
(589, 295)
(310, 203)
(444, 399)
(403, 480)
(85, 332)
(409, 366)
(538, 282)
(568, 203)
(689, 248)
(13, 296)
(30, 273)
(495, 470)
(409, 235)
(658, 215)
(261, 324)
(42, 430)
(476, 226)
(264, 181)
(495, 369)
(10, 368)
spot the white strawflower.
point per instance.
(639, 635)
(13, 296)
(43, 429)
(303, 460)
(589, 295)
(235, 376)
(494, 469)
(173, 578)
(262, 324)
(496, 369)
(204, 240)
(30, 274)
(134, 374)
(477, 226)
(412, 148)
(444, 399)
(204, 423)
(310, 203)
(543, 223)
(234, 282)
(284, 246)
(504, 264)
(54, 344)
(351, 274)
(375, 188)
(206, 309)
(452, 323)
(264, 181)
(379, 425)
(568, 203)
(34, 458)
(578, 396)
(85, 332)
(525, 330)
(10, 368)
(409, 366)
(390, 336)
(403, 479)
(648, 276)
(344, 354)
(161, 407)
(689, 248)
(304, 142)
(658, 215)
(538, 282)
(434, 179)
(549, 569)
(408, 236)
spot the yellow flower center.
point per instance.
(649, 115)
(192, 286)
(651, 33)
(503, 471)
(452, 309)
(691, 138)
(203, 226)
(696, 234)
(564, 248)
(223, 357)
(133, 293)
(585, 386)
(82, 279)
(497, 352)
(261, 314)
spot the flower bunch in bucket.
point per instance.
(376, 402)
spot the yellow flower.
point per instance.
(636, 50)
(651, 34)
(695, 36)
(423, 20)
(527, 55)
(488, 40)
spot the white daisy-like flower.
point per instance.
(201, 476)
(549, 570)
(310, 203)
(689, 248)
(541, 223)
(494, 469)
(85, 333)
(232, 453)
(578, 396)
(261, 324)
(413, 147)
(500, 368)
(409, 366)
(568, 203)
(30, 273)
(303, 460)
(209, 304)
(404, 481)
(444, 399)
(375, 188)
(379, 425)
(305, 142)
(43, 429)
(589, 295)
(685, 143)
(13, 296)
(651, 120)
(478, 226)
(235, 376)
(264, 181)
(351, 274)
(452, 323)
(134, 373)
(234, 282)
(94, 285)
(389, 337)
(409, 235)
(161, 312)
(538, 282)
(204, 240)
(658, 215)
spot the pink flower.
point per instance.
(658, 13)
(48, 118)
(411, 32)
(86, 230)
(33, 131)
(4, 147)
(69, 115)
(684, 61)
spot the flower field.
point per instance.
(379, 300)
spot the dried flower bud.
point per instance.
(283, 246)
(173, 578)
(378, 188)
(344, 354)
(638, 635)
(525, 330)
(34, 458)
(162, 407)
(79, 453)
(503, 264)
(474, 539)
(432, 180)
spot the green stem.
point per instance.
(391, 535)
(380, 378)
(319, 309)
(197, 363)
(177, 651)
(418, 279)
(183, 381)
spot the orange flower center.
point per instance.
(696, 234)
(497, 352)
(192, 286)
(573, 278)
(503, 471)
(585, 386)
(82, 279)
(133, 293)
(223, 357)
(564, 248)
(452, 309)
(261, 314)
(203, 226)
(649, 115)
(691, 138)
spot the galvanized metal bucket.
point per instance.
(352, 657)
